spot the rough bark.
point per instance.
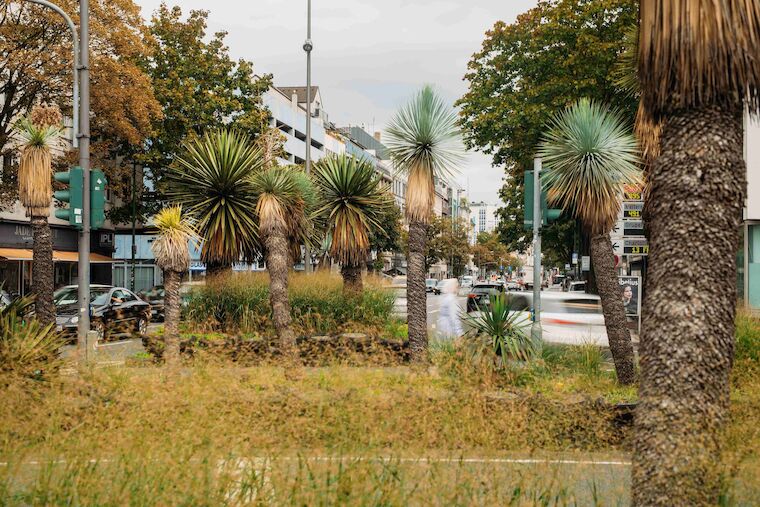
(278, 258)
(694, 209)
(415, 292)
(42, 270)
(171, 316)
(352, 280)
(618, 334)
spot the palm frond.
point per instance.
(175, 233)
(279, 200)
(34, 172)
(212, 181)
(424, 142)
(353, 200)
(695, 53)
(589, 155)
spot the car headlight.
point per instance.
(74, 319)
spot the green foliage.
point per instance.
(489, 253)
(387, 237)
(212, 181)
(352, 201)
(506, 330)
(27, 348)
(447, 240)
(553, 55)
(747, 349)
(589, 155)
(318, 305)
(36, 135)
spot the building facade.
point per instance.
(483, 218)
(748, 260)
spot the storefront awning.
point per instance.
(24, 254)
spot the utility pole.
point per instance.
(84, 163)
(308, 46)
(535, 328)
(134, 225)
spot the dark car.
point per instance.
(113, 310)
(155, 297)
(478, 297)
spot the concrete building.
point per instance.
(748, 260)
(483, 218)
(288, 107)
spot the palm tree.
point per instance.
(590, 155)
(423, 139)
(35, 192)
(170, 249)
(353, 200)
(698, 71)
(212, 180)
(279, 207)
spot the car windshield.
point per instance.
(485, 289)
(69, 296)
(431, 282)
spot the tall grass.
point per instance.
(240, 303)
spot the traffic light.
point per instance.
(547, 214)
(74, 177)
(97, 198)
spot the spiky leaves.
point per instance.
(353, 201)
(695, 53)
(280, 200)
(424, 142)
(212, 179)
(34, 172)
(589, 155)
(175, 232)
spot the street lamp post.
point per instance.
(308, 46)
(535, 329)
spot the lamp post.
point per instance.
(308, 46)
(535, 329)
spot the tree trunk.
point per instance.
(42, 270)
(278, 258)
(171, 317)
(352, 280)
(618, 334)
(416, 297)
(694, 209)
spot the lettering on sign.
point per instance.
(636, 246)
(632, 209)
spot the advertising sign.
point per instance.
(630, 292)
(633, 209)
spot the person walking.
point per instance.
(449, 324)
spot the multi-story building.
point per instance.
(483, 218)
(287, 105)
(748, 264)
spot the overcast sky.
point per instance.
(369, 56)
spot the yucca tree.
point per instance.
(175, 232)
(424, 141)
(38, 132)
(590, 155)
(212, 180)
(279, 208)
(698, 69)
(353, 199)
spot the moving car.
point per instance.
(439, 286)
(478, 297)
(467, 281)
(512, 285)
(113, 310)
(576, 286)
(430, 285)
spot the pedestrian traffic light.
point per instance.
(548, 215)
(74, 178)
(98, 184)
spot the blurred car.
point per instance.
(430, 285)
(478, 297)
(512, 285)
(155, 297)
(466, 282)
(113, 310)
(439, 286)
(576, 286)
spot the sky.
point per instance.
(369, 56)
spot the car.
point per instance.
(466, 282)
(439, 286)
(478, 297)
(512, 285)
(155, 297)
(113, 310)
(576, 286)
(430, 285)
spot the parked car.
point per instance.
(430, 285)
(113, 310)
(478, 297)
(155, 297)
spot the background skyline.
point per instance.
(368, 59)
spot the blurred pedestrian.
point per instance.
(449, 324)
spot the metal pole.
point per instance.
(134, 223)
(535, 329)
(75, 103)
(308, 46)
(84, 163)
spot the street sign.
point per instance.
(637, 246)
(633, 193)
(575, 258)
(633, 227)
(633, 209)
(585, 263)
(617, 246)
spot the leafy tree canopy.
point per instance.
(553, 55)
(490, 253)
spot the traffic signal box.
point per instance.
(74, 214)
(547, 215)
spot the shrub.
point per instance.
(240, 303)
(27, 348)
(747, 351)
